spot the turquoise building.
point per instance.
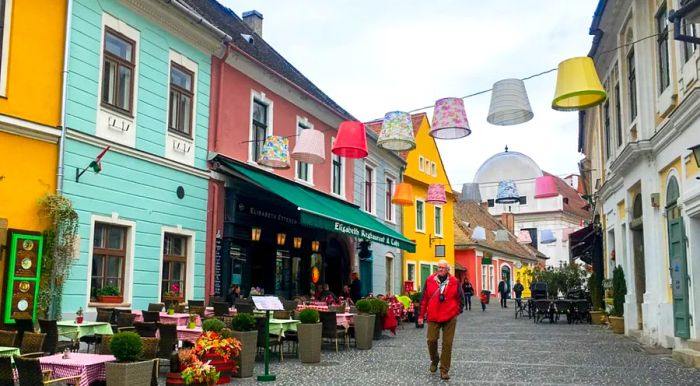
(138, 81)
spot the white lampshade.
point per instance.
(501, 235)
(509, 103)
(479, 234)
(309, 147)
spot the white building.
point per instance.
(560, 214)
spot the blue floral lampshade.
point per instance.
(507, 192)
(547, 236)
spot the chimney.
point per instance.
(508, 221)
(253, 19)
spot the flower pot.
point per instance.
(224, 367)
(129, 374)
(171, 311)
(78, 319)
(249, 347)
(378, 326)
(309, 342)
(596, 317)
(364, 330)
(110, 299)
(191, 325)
(172, 379)
(617, 324)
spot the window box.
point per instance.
(110, 298)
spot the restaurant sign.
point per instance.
(366, 235)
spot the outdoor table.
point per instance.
(209, 311)
(74, 331)
(180, 319)
(90, 367)
(9, 352)
(280, 326)
(190, 335)
(345, 319)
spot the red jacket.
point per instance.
(441, 311)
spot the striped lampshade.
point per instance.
(470, 192)
(509, 103)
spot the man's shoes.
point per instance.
(444, 375)
(433, 367)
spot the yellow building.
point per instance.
(32, 50)
(430, 226)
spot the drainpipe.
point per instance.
(64, 92)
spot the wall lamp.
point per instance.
(281, 238)
(431, 239)
(297, 242)
(696, 153)
(255, 233)
(315, 245)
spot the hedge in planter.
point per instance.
(127, 349)
(364, 324)
(379, 308)
(617, 320)
(212, 325)
(309, 333)
(245, 330)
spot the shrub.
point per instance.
(226, 333)
(126, 346)
(108, 291)
(378, 307)
(416, 296)
(213, 325)
(619, 292)
(309, 316)
(364, 306)
(243, 322)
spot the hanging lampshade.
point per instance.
(403, 194)
(479, 234)
(397, 132)
(565, 234)
(507, 192)
(309, 147)
(470, 192)
(547, 236)
(501, 235)
(351, 141)
(578, 85)
(450, 119)
(275, 152)
(436, 194)
(509, 103)
(524, 237)
(546, 186)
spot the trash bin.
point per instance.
(418, 316)
(487, 295)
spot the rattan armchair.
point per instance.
(158, 307)
(8, 338)
(30, 374)
(32, 344)
(6, 373)
(330, 329)
(146, 329)
(150, 348)
(51, 342)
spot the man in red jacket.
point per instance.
(441, 303)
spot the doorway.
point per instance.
(337, 266)
(637, 228)
(505, 276)
(388, 285)
(678, 263)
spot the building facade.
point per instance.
(638, 167)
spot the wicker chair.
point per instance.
(199, 310)
(32, 343)
(180, 308)
(30, 374)
(337, 309)
(51, 343)
(104, 315)
(22, 326)
(104, 345)
(112, 314)
(195, 303)
(168, 339)
(150, 347)
(146, 329)
(275, 341)
(330, 329)
(221, 309)
(151, 316)
(158, 307)
(246, 308)
(290, 305)
(216, 299)
(281, 314)
(8, 338)
(6, 374)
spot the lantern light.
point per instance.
(351, 141)
(255, 233)
(578, 85)
(449, 119)
(397, 132)
(547, 237)
(309, 147)
(509, 103)
(315, 245)
(281, 238)
(696, 153)
(546, 186)
(403, 194)
(297, 242)
(436, 195)
(275, 152)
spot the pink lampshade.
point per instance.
(565, 233)
(436, 194)
(524, 237)
(309, 147)
(546, 186)
(351, 141)
(449, 119)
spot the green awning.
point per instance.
(318, 210)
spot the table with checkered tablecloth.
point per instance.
(181, 319)
(90, 367)
(189, 334)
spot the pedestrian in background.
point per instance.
(518, 289)
(441, 303)
(468, 293)
(503, 292)
(355, 287)
(484, 298)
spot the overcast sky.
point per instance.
(377, 56)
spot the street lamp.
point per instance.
(314, 245)
(297, 242)
(281, 238)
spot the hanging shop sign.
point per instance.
(23, 273)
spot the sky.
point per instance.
(376, 56)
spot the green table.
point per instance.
(9, 352)
(280, 326)
(71, 330)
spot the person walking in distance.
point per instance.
(441, 303)
(518, 289)
(468, 293)
(503, 292)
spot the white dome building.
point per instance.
(547, 220)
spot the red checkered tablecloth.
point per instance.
(180, 319)
(184, 333)
(90, 367)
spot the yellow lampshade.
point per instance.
(403, 195)
(578, 85)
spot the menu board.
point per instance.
(23, 273)
(267, 303)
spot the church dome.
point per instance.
(508, 165)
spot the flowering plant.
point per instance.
(185, 356)
(212, 343)
(199, 372)
(174, 290)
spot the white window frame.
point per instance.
(128, 259)
(487, 277)
(389, 269)
(413, 263)
(7, 27)
(180, 148)
(436, 209)
(391, 210)
(433, 169)
(422, 201)
(303, 121)
(421, 161)
(341, 176)
(372, 189)
(259, 97)
(189, 274)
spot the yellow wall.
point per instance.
(35, 61)
(426, 147)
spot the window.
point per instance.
(523, 200)
(688, 48)
(5, 14)
(421, 165)
(566, 200)
(420, 215)
(259, 127)
(304, 170)
(369, 189)
(427, 166)
(662, 47)
(632, 84)
(337, 173)
(606, 125)
(174, 264)
(487, 278)
(108, 258)
(491, 203)
(411, 273)
(389, 207)
(438, 220)
(433, 169)
(117, 72)
(618, 114)
(181, 96)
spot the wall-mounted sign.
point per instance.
(23, 273)
(439, 250)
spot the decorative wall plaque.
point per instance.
(23, 273)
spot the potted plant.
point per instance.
(192, 321)
(178, 362)
(79, 315)
(220, 352)
(617, 319)
(364, 324)
(128, 370)
(416, 297)
(200, 373)
(378, 308)
(244, 329)
(594, 289)
(213, 325)
(109, 294)
(172, 296)
(309, 334)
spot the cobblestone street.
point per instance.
(494, 348)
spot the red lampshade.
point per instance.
(351, 141)
(546, 186)
(403, 195)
